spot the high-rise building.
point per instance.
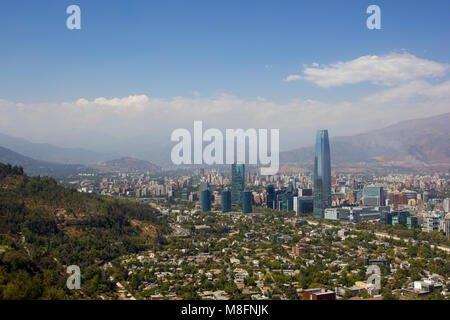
(303, 204)
(287, 202)
(322, 174)
(270, 196)
(206, 200)
(279, 195)
(373, 196)
(247, 201)
(237, 183)
(226, 201)
(430, 223)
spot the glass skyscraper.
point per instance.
(270, 196)
(322, 174)
(373, 196)
(247, 200)
(206, 200)
(226, 201)
(288, 201)
(237, 183)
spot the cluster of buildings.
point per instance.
(263, 256)
(237, 196)
(409, 200)
(232, 240)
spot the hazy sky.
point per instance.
(139, 69)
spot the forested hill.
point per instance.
(44, 228)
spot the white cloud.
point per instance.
(389, 70)
(122, 102)
(114, 122)
(410, 92)
(143, 119)
(292, 78)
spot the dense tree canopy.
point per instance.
(45, 227)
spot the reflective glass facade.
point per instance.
(226, 201)
(237, 183)
(247, 200)
(206, 200)
(373, 196)
(322, 174)
(270, 196)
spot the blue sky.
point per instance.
(175, 48)
(139, 69)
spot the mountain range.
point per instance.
(419, 142)
(34, 167)
(414, 143)
(52, 153)
(126, 164)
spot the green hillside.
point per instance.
(45, 227)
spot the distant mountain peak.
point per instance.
(126, 164)
(35, 167)
(52, 153)
(417, 142)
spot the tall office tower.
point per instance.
(226, 201)
(237, 183)
(373, 196)
(206, 200)
(287, 202)
(270, 196)
(322, 174)
(279, 200)
(247, 201)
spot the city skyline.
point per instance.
(240, 151)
